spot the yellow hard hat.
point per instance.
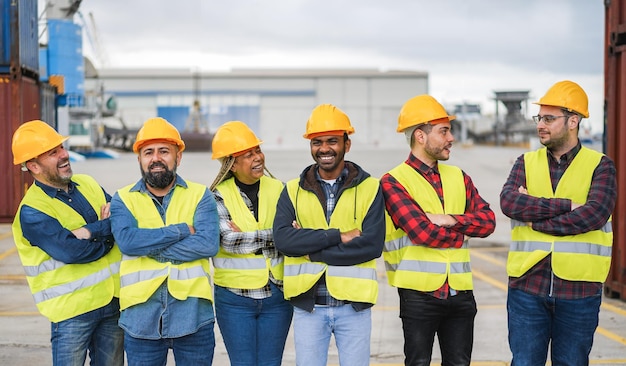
(32, 139)
(566, 94)
(421, 109)
(327, 119)
(158, 129)
(233, 137)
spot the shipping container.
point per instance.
(19, 102)
(615, 135)
(65, 57)
(48, 95)
(19, 37)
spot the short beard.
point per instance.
(59, 180)
(159, 180)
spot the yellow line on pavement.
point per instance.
(13, 277)
(500, 263)
(8, 253)
(18, 313)
(611, 335)
(6, 235)
(490, 280)
(504, 287)
(621, 361)
(489, 258)
(614, 309)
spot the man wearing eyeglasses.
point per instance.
(560, 199)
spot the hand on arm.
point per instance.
(442, 220)
(361, 245)
(578, 218)
(517, 204)
(47, 233)
(203, 238)
(295, 241)
(478, 220)
(407, 215)
(234, 226)
(136, 241)
(347, 236)
(233, 239)
(105, 211)
(82, 233)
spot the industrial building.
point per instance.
(276, 103)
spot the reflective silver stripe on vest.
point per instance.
(304, 268)
(352, 272)
(67, 288)
(115, 267)
(423, 266)
(182, 274)
(606, 228)
(276, 261)
(582, 248)
(397, 244)
(49, 265)
(418, 266)
(136, 277)
(516, 223)
(239, 263)
(460, 267)
(404, 241)
(530, 246)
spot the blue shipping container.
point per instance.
(19, 31)
(43, 64)
(65, 55)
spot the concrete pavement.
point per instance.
(24, 334)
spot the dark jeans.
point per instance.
(195, 349)
(254, 331)
(96, 331)
(567, 326)
(451, 319)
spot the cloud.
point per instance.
(469, 48)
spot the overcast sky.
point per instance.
(470, 48)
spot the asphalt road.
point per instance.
(25, 335)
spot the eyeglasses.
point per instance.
(547, 119)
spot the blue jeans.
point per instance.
(535, 321)
(96, 331)
(352, 331)
(195, 349)
(254, 331)
(452, 319)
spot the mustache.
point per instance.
(157, 164)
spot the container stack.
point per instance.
(20, 98)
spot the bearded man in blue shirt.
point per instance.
(167, 228)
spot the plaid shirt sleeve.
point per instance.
(408, 215)
(246, 242)
(525, 208)
(553, 215)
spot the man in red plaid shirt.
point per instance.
(560, 199)
(433, 208)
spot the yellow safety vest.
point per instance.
(63, 291)
(581, 257)
(142, 276)
(351, 283)
(419, 267)
(248, 271)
